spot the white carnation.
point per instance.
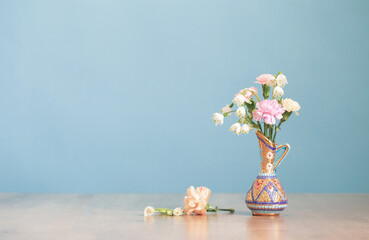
(290, 105)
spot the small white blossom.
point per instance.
(177, 212)
(240, 100)
(218, 118)
(245, 128)
(278, 92)
(241, 112)
(226, 110)
(170, 213)
(290, 105)
(236, 128)
(149, 211)
(281, 80)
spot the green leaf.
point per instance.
(251, 106)
(249, 121)
(254, 125)
(266, 91)
(286, 115)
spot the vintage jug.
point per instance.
(266, 195)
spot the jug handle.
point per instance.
(286, 148)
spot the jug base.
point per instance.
(265, 214)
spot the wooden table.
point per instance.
(120, 216)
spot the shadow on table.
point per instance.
(219, 225)
(265, 227)
(195, 227)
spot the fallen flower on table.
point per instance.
(196, 202)
(166, 211)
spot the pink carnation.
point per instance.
(196, 200)
(268, 110)
(267, 79)
(247, 92)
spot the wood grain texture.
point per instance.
(120, 216)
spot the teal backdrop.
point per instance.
(117, 96)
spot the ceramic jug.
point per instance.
(266, 195)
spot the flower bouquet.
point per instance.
(266, 196)
(253, 112)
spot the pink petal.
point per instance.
(257, 115)
(268, 119)
(204, 192)
(191, 191)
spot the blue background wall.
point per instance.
(117, 96)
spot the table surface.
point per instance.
(120, 216)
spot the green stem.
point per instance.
(276, 130)
(256, 95)
(259, 126)
(226, 209)
(249, 120)
(226, 114)
(216, 209)
(163, 210)
(273, 97)
(271, 133)
(265, 129)
(230, 111)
